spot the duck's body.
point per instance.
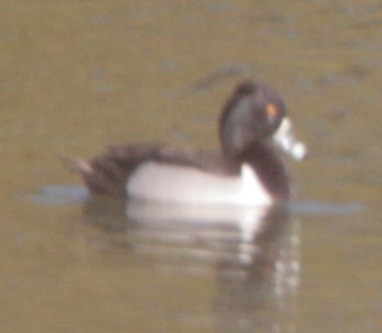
(247, 172)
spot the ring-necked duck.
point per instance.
(247, 172)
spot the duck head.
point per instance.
(255, 114)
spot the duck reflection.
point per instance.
(253, 252)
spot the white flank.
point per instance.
(154, 181)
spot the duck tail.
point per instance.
(78, 165)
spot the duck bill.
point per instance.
(286, 140)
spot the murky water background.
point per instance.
(77, 75)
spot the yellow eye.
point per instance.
(272, 112)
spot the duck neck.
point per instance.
(269, 167)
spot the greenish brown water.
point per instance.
(77, 75)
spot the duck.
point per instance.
(246, 171)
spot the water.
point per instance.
(78, 76)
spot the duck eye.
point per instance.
(272, 112)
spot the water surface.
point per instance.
(76, 76)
